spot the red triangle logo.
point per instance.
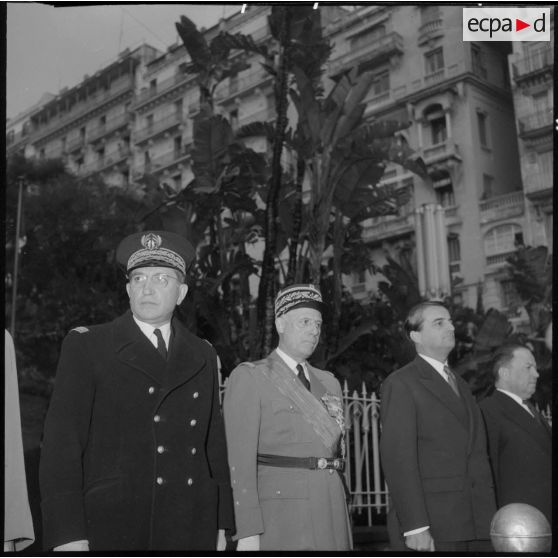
(520, 24)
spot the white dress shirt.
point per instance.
(148, 329)
(291, 363)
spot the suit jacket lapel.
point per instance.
(515, 413)
(134, 349)
(440, 388)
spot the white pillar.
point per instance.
(419, 241)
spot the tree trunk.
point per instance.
(266, 291)
(297, 221)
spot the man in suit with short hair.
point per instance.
(519, 438)
(433, 446)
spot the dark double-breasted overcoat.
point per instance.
(434, 457)
(520, 450)
(134, 454)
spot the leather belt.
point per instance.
(336, 463)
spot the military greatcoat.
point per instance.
(290, 508)
(134, 454)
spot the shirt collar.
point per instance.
(291, 362)
(148, 329)
(436, 364)
(514, 396)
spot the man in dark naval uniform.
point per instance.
(134, 454)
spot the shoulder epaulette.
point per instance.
(80, 329)
(247, 363)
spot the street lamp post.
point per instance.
(21, 182)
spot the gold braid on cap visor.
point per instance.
(160, 254)
(290, 299)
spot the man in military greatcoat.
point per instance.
(134, 454)
(284, 425)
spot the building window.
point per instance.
(101, 153)
(487, 186)
(177, 145)
(454, 249)
(477, 61)
(501, 239)
(434, 61)
(380, 85)
(541, 103)
(481, 121)
(153, 85)
(233, 84)
(363, 40)
(149, 121)
(510, 296)
(438, 130)
(445, 196)
(233, 119)
(545, 163)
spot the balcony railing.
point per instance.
(159, 163)
(497, 259)
(441, 151)
(371, 53)
(538, 61)
(435, 77)
(107, 161)
(538, 182)
(502, 207)
(84, 107)
(535, 122)
(430, 30)
(242, 85)
(158, 126)
(161, 87)
(74, 144)
(110, 126)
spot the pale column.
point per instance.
(442, 252)
(420, 251)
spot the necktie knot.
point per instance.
(302, 376)
(161, 345)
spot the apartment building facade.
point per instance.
(136, 116)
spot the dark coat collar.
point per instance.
(134, 349)
(519, 416)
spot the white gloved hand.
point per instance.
(74, 546)
(249, 543)
(221, 540)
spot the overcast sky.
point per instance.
(50, 48)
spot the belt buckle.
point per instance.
(337, 464)
(322, 463)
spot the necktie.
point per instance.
(161, 346)
(536, 415)
(302, 376)
(451, 380)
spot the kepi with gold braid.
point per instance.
(298, 296)
(155, 249)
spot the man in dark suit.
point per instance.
(519, 438)
(433, 446)
(134, 454)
